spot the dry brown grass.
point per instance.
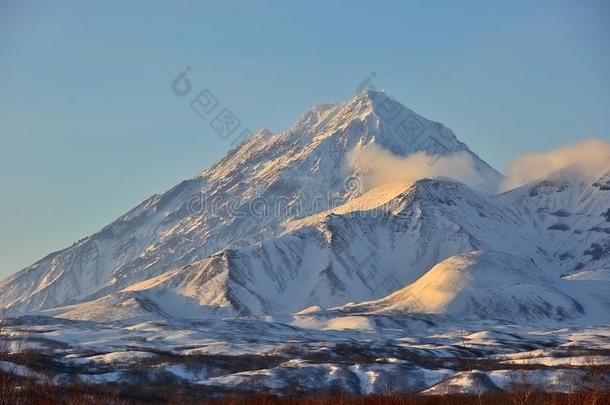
(38, 388)
(26, 391)
(498, 398)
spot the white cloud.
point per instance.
(591, 156)
(379, 166)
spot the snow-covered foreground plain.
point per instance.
(390, 354)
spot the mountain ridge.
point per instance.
(282, 223)
(139, 244)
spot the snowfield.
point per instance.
(421, 353)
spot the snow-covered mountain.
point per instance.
(571, 211)
(552, 263)
(297, 173)
(282, 224)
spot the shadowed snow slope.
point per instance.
(570, 210)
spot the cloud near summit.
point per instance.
(379, 166)
(591, 156)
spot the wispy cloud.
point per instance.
(591, 156)
(378, 166)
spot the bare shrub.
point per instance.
(521, 386)
(597, 376)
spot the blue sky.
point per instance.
(89, 126)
